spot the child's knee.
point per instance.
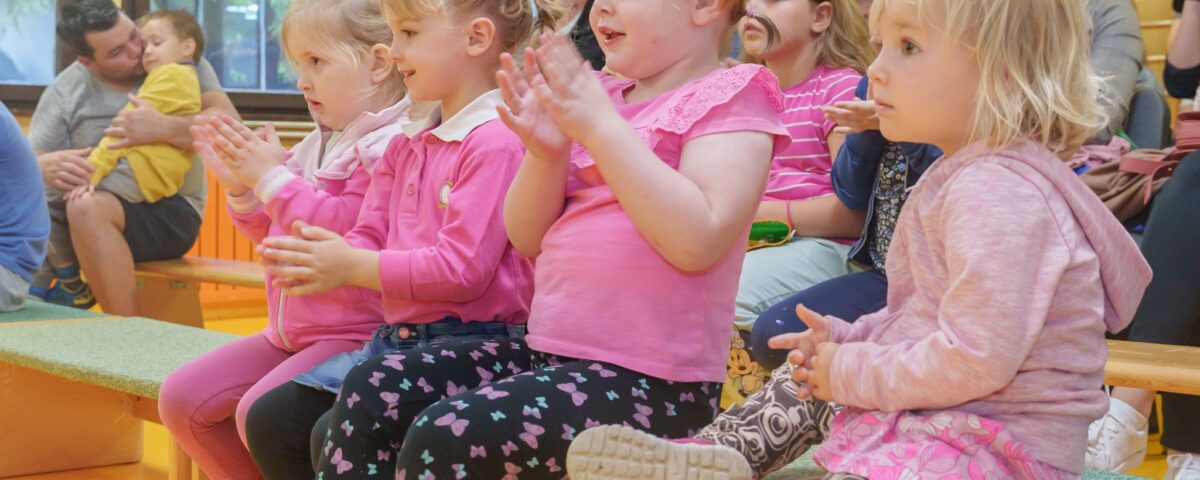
(179, 398)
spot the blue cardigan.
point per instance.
(856, 174)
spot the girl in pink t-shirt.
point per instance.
(1004, 270)
(819, 57)
(635, 197)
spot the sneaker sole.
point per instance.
(615, 452)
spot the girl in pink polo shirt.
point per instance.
(430, 238)
(635, 198)
(355, 95)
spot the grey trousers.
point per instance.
(13, 289)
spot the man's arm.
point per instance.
(144, 124)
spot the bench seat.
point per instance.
(169, 290)
(79, 388)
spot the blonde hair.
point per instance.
(1035, 72)
(346, 29)
(516, 21)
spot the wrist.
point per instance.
(607, 129)
(364, 271)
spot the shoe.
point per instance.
(1117, 441)
(1183, 466)
(615, 452)
(82, 298)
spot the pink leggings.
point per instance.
(204, 402)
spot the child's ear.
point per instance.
(382, 66)
(189, 48)
(822, 17)
(705, 12)
(481, 35)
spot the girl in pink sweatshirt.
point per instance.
(1004, 270)
(355, 95)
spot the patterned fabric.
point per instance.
(773, 428)
(890, 195)
(745, 376)
(492, 409)
(912, 445)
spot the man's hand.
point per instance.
(66, 170)
(140, 125)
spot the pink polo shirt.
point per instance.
(802, 169)
(603, 292)
(434, 211)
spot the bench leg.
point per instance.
(175, 301)
(179, 464)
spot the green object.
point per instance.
(130, 355)
(1121, 133)
(769, 234)
(36, 311)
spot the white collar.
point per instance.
(456, 128)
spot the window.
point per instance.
(26, 42)
(242, 41)
(242, 46)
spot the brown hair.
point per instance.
(845, 44)
(184, 25)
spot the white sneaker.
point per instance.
(1117, 441)
(1183, 466)
(615, 452)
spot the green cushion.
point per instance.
(34, 311)
(131, 355)
(804, 468)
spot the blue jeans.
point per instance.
(328, 375)
(847, 297)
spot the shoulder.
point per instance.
(839, 84)
(493, 137)
(72, 81)
(748, 90)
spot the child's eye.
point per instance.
(408, 33)
(316, 61)
(909, 48)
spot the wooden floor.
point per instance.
(154, 463)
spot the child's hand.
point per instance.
(852, 117)
(202, 136)
(569, 91)
(248, 155)
(525, 114)
(806, 347)
(79, 192)
(312, 260)
(813, 379)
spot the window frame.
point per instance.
(249, 104)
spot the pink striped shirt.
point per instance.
(801, 170)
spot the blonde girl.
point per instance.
(339, 52)
(1004, 271)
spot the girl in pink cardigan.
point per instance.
(1004, 272)
(357, 103)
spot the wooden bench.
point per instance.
(1149, 366)
(169, 290)
(77, 389)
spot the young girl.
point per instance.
(635, 197)
(430, 238)
(988, 359)
(354, 93)
(819, 57)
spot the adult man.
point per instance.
(81, 106)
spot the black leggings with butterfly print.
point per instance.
(511, 426)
